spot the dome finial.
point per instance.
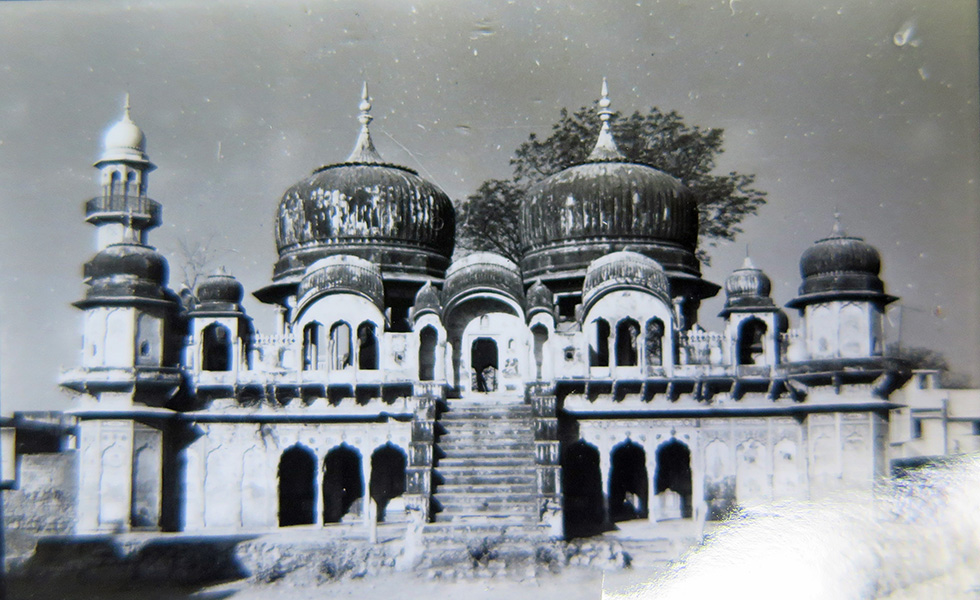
(838, 230)
(364, 151)
(605, 146)
(126, 107)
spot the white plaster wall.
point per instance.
(331, 309)
(641, 307)
(512, 338)
(770, 354)
(842, 329)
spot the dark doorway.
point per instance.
(427, 353)
(312, 342)
(297, 486)
(217, 348)
(600, 357)
(751, 334)
(342, 482)
(581, 482)
(340, 346)
(485, 365)
(387, 476)
(627, 331)
(674, 472)
(367, 347)
(628, 482)
(540, 333)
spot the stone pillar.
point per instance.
(366, 512)
(605, 466)
(318, 501)
(652, 507)
(105, 476)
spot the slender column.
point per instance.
(605, 465)
(370, 518)
(318, 476)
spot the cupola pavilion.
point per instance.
(404, 383)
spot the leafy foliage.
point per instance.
(926, 358)
(489, 218)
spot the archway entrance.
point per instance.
(342, 482)
(628, 483)
(581, 482)
(297, 487)
(217, 348)
(673, 480)
(387, 476)
(485, 365)
(751, 334)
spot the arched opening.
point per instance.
(367, 347)
(312, 342)
(297, 486)
(342, 482)
(427, 353)
(340, 346)
(216, 348)
(751, 334)
(628, 482)
(655, 343)
(672, 483)
(387, 476)
(600, 354)
(540, 333)
(484, 362)
(581, 480)
(114, 180)
(627, 331)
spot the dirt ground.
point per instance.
(570, 584)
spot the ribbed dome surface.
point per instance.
(610, 200)
(126, 271)
(483, 271)
(338, 274)
(540, 298)
(384, 213)
(747, 289)
(840, 266)
(426, 301)
(220, 288)
(623, 270)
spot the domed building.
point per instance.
(560, 397)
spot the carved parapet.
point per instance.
(545, 430)
(546, 453)
(544, 406)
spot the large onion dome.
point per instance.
(125, 142)
(219, 293)
(365, 207)
(124, 274)
(341, 274)
(747, 289)
(623, 271)
(840, 267)
(605, 205)
(483, 273)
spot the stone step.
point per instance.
(487, 488)
(487, 433)
(481, 526)
(453, 498)
(491, 454)
(491, 508)
(480, 410)
(481, 462)
(484, 441)
(468, 477)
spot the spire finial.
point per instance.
(126, 107)
(605, 146)
(838, 230)
(364, 151)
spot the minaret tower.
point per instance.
(130, 348)
(123, 213)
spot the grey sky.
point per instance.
(239, 100)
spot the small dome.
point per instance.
(540, 299)
(483, 272)
(132, 260)
(126, 271)
(840, 266)
(341, 274)
(220, 288)
(623, 270)
(747, 288)
(124, 141)
(426, 301)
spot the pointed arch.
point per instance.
(654, 343)
(484, 360)
(600, 354)
(367, 347)
(628, 482)
(343, 482)
(340, 346)
(297, 486)
(540, 334)
(627, 332)
(751, 341)
(388, 468)
(312, 346)
(427, 353)
(673, 479)
(216, 348)
(581, 479)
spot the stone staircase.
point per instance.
(486, 488)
